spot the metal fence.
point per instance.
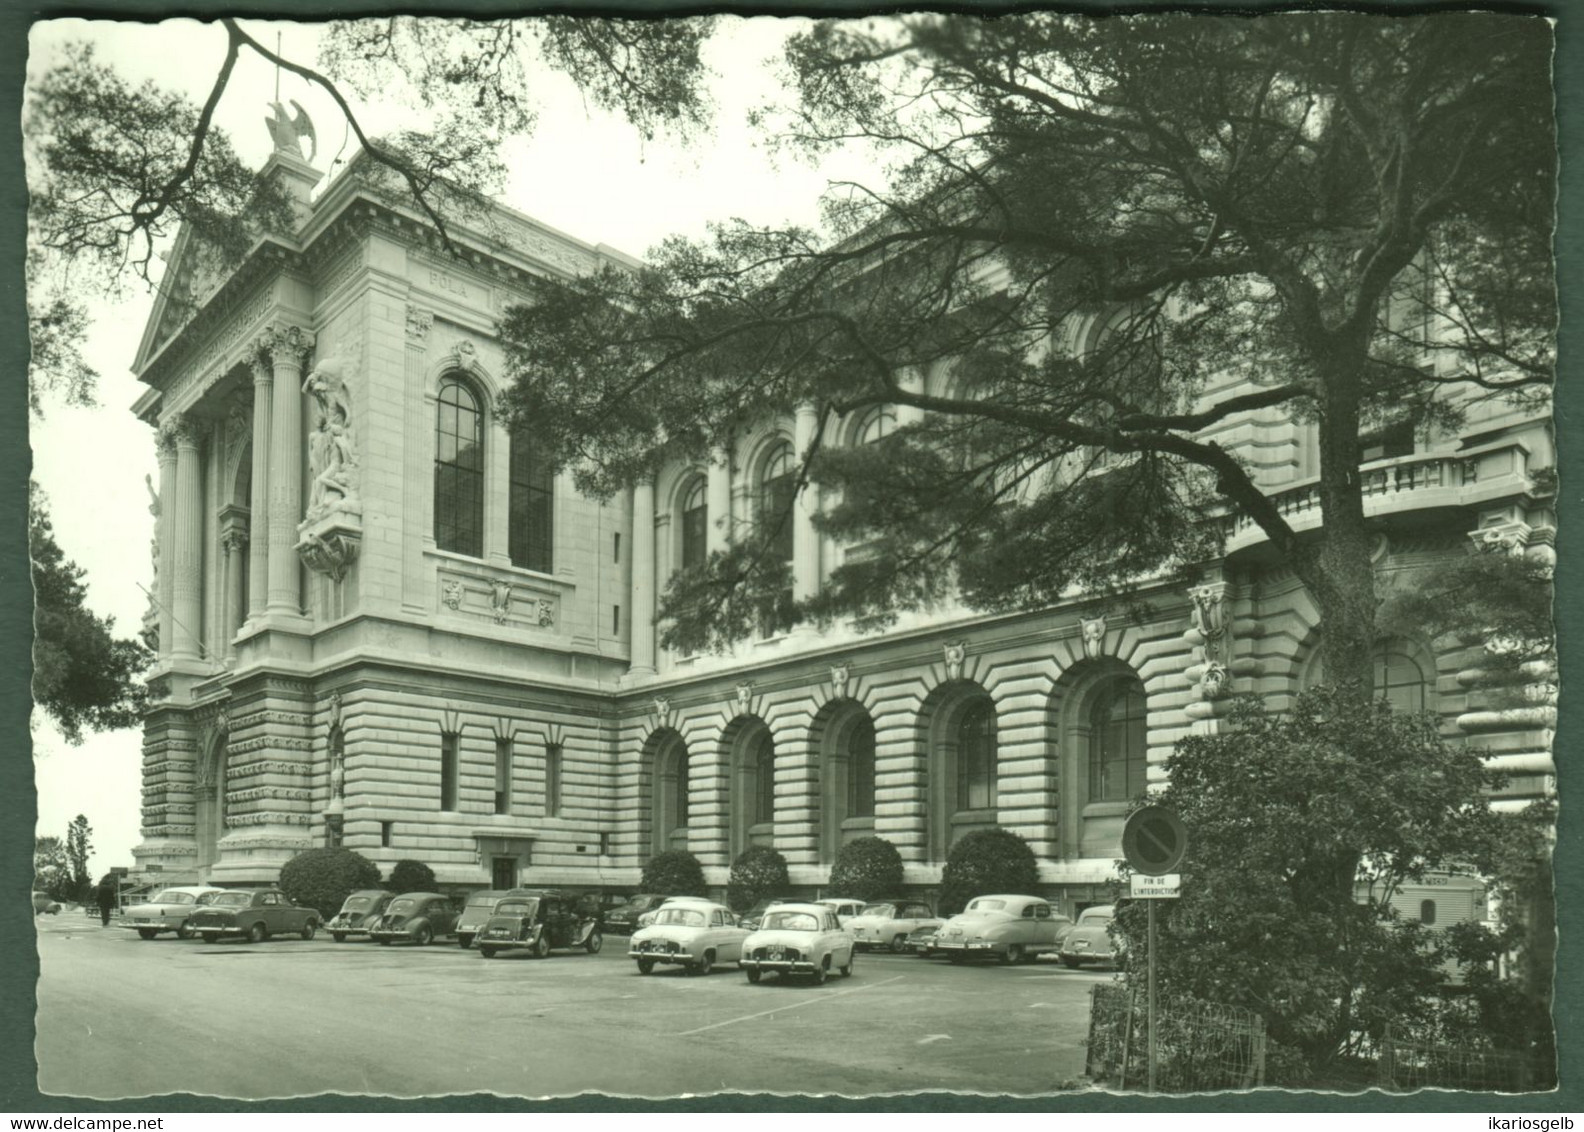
(1405, 1064)
(1200, 1046)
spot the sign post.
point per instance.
(1153, 841)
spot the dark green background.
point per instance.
(19, 963)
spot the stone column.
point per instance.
(643, 577)
(718, 497)
(805, 539)
(234, 543)
(187, 549)
(258, 548)
(288, 347)
(169, 505)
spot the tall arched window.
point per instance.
(777, 482)
(752, 785)
(1118, 756)
(459, 470)
(764, 783)
(531, 514)
(861, 769)
(670, 801)
(976, 757)
(877, 424)
(1398, 676)
(695, 524)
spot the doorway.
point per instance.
(503, 873)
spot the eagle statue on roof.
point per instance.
(288, 130)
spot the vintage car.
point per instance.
(1012, 928)
(536, 922)
(921, 941)
(845, 909)
(691, 933)
(751, 918)
(359, 912)
(476, 912)
(888, 923)
(255, 914)
(168, 910)
(798, 939)
(623, 919)
(44, 906)
(1089, 941)
(421, 917)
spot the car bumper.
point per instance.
(786, 966)
(681, 958)
(969, 948)
(153, 923)
(216, 929)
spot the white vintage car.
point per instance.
(688, 932)
(890, 922)
(1013, 929)
(845, 909)
(798, 939)
(168, 910)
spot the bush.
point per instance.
(324, 878)
(757, 874)
(411, 876)
(676, 872)
(987, 860)
(867, 869)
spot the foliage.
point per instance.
(758, 873)
(675, 872)
(79, 844)
(83, 677)
(1272, 209)
(867, 868)
(324, 878)
(983, 861)
(51, 868)
(1302, 827)
(410, 876)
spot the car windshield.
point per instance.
(880, 911)
(516, 907)
(483, 901)
(358, 904)
(791, 921)
(234, 899)
(208, 898)
(175, 896)
(682, 917)
(402, 906)
(984, 905)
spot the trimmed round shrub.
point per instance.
(757, 874)
(411, 876)
(676, 872)
(985, 861)
(324, 878)
(866, 869)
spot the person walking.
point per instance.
(106, 893)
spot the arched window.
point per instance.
(459, 471)
(846, 787)
(1398, 677)
(1117, 753)
(752, 786)
(531, 515)
(670, 801)
(777, 481)
(861, 769)
(764, 783)
(1427, 912)
(695, 524)
(877, 424)
(976, 757)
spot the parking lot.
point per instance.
(122, 1017)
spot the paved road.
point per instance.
(121, 1017)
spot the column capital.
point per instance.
(419, 322)
(179, 430)
(283, 343)
(234, 539)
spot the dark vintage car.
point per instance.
(360, 912)
(537, 923)
(1090, 941)
(421, 917)
(752, 918)
(255, 914)
(623, 919)
(476, 912)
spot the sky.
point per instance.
(584, 172)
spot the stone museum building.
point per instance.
(382, 623)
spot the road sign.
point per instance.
(1153, 840)
(1168, 887)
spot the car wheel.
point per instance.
(899, 943)
(594, 943)
(147, 933)
(1013, 954)
(486, 953)
(705, 964)
(424, 936)
(541, 947)
(822, 972)
(754, 974)
(851, 959)
(339, 937)
(1072, 964)
(645, 966)
(257, 933)
(211, 937)
(464, 942)
(309, 929)
(184, 932)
